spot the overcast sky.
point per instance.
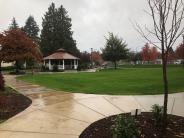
(91, 19)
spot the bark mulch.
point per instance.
(11, 103)
(145, 124)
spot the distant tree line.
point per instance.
(149, 54)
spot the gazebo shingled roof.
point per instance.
(60, 54)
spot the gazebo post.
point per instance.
(63, 64)
(71, 63)
(49, 64)
(75, 64)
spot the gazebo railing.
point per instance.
(60, 67)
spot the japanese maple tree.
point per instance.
(16, 46)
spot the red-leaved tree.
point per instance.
(96, 57)
(2, 83)
(179, 52)
(149, 54)
(16, 46)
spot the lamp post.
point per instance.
(91, 58)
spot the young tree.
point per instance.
(16, 46)
(56, 32)
(149, 53)
(146, 53)
(115, 49)
(168, 20)
(14, 24)
(31, 28)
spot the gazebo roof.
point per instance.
(60, 54)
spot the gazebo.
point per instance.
(61, 59)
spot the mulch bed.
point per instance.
(11, 103)
(145, 124)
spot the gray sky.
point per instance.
(91, 19)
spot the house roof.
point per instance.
(60, 54)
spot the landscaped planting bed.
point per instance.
(11, 103)
(145, 124)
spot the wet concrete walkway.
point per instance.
(57, 114)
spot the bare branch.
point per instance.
(141, 32)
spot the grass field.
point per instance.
(124, 81)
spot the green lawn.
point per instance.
(125, 81)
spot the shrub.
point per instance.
(2, 82)
(157, 114)
(83, 66)
(17, 73)
(124, 127)
(9, 68)
(44, 68)
(55, 68)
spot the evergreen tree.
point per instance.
(14, 24)
(31, 28)
(115, 49)
(56, 32)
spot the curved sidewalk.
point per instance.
(57, 114)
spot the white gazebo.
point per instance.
(61, 59)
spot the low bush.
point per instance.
(83, 66)
(157, 111)
(7, 68)
(17, 73)
(55, 68)
(44, 68)
(124, 127)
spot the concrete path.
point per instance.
(57, 114)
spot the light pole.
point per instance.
(91, 58)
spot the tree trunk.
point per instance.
(165, 81)
(32, 70)
(115, 65)
(16, 66)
